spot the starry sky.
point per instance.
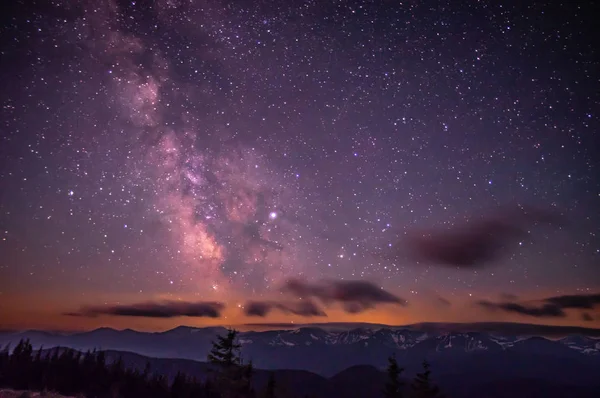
(208, 151)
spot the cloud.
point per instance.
(355, 296)
(586, 317)
(545, 311)
(258, 308)
(166, 309)
(581, 301)
(303, 308)
(550, 307)
(475, 243)
(444, 302)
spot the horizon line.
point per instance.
(290, 325)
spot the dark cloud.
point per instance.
(356, 307)
(548, 307)
(355, 296)
(581, 301)
(258, 308)
(544, 311)
(586, 317)
(251, 235)
(475, 243)
(443, 301)
(303, 308)
(166, 309)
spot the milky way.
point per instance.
(219, 148)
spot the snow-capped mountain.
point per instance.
(467, 342)
(583, 344)
(395, 339)
(404, 339)
(320, 350)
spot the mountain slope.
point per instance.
(329, 352)
(475, 378)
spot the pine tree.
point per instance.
(270, 390)
(70, 372)
(225, 351)
(20, 365)
(247, 371)
(4, 360)
(179, 386)
(234, 379)
(422, 386)
(393, 386)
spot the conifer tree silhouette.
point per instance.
(393, 386)
(70, 372)
(225, 352)
(270, 389)
(422, 386)
(233, 378)
(247, 373)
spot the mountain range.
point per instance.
(315, 357)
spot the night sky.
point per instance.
(206, 152)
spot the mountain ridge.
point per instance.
(492, 327)
(328, 352)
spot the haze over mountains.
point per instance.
(316, 360)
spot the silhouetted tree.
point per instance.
(209, 389)
(4, 360)
(270, 389)
(70, 372)
(247, 372)
(225, 352)
(20, 365)
(393, 386)
(422, 386)
(233, 378)
(179, 388)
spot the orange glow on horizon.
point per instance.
(37, 311)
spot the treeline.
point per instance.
(70, 372)
(89, 374)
